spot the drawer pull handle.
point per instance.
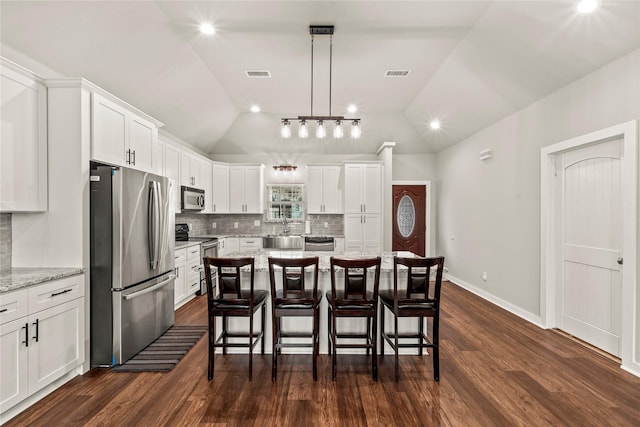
(3, 310)
(26, 335)
(55, 294)
(37, 325)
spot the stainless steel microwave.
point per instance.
(191, 199)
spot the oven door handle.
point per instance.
(149, 289)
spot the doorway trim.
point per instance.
(549, 228)
(429, 220)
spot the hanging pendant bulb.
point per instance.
(321, 132)
(285, 130)
(355, 129)
(303, 131)
(337, 131)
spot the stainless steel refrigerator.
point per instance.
(132, 261)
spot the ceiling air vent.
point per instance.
(258, 74)
(397, 73)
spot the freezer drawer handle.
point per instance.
(55, 294)
(151, 289)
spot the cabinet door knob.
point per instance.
(620, 261)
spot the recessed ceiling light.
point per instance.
(434, 124)
(207, 28)
(587, 6)
(352, 108)
(255, 109)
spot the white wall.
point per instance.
(489, 211)
(408, 167)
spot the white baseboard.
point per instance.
(634, 369)
(529, 317)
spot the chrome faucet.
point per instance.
(286, 226)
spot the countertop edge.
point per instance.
(23, 277)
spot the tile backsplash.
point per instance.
(225, 224)
(5, 241)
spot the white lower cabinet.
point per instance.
(228, 245)
(180, 292)
(41, 337)
(194, 263)
(187, 270)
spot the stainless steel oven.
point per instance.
(209, 248)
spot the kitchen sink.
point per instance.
(282, 242)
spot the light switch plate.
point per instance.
(213, 225)
(256, 223)
(235, 225)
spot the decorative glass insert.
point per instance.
(406, 216)
(285, 201)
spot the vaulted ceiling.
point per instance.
(471, 63)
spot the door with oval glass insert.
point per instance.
(409, 204)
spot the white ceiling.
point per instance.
(471, 62)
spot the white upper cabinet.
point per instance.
(121, 137)
(190, 171)
(23, 141)
(363, 187)
(324, 193)
(245, 184)
(220, 188)
(172, 170)
(206, 178)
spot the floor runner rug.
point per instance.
(163, 354)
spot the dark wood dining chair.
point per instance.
(290, 297)
(414, 298)
(355, 297)
(233, 301)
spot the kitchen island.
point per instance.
(261, 281)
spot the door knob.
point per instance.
(620, 261)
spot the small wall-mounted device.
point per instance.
(486, 154)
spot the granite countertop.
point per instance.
(22, 277)
(262, 263)
(182, 245)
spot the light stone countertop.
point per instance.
(261, 262)
(183, 245)
(22, 277)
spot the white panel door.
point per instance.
(331, 190)
(172, 170)
(253, 189)
(14, 363)
(372, 194)
(589, 297)
(143, 137)
(220, 189)
(56, 342)
(110, 132)
(314, 190)
(206, 180)
(236, 189)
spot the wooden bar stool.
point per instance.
(233, 301)
(291, 298)
(415, 299)
(356, 297)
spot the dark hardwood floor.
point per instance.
(495, 370)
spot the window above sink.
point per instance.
(285, 201)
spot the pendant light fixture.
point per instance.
(321, 121)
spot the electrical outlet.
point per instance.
(190, 227)
(213, 225)
(484, 276)
(326, 225)
(256, 223)
(235, 225)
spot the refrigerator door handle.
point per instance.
(153, 224)
(149, 289)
